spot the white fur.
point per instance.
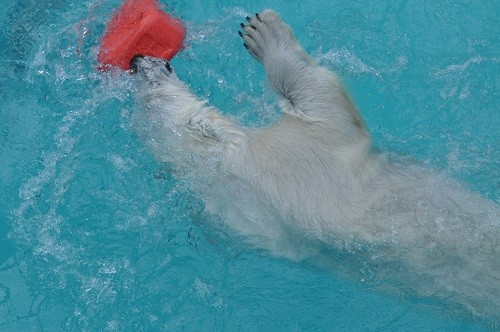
(311, 181)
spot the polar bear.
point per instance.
(311, 181)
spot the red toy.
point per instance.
(140, 27)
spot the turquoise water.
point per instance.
(97, 235)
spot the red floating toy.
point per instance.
(140, 27)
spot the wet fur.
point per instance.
(311, 179)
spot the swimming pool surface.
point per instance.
(95, 234)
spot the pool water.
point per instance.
(95, 234)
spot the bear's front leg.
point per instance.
(308, 91)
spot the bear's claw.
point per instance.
(264, 32)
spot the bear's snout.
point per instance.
(135, 62)
(140, 62)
